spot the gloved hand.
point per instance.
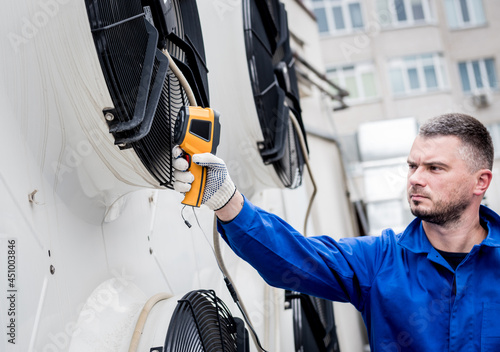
(219, 187)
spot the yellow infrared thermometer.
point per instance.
(197, 130)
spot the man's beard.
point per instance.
(442, 213)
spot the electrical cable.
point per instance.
(182, 79)
(141, 321)
(309, 169)
(188, 224)
(232, 289)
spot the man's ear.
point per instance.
(483, 181)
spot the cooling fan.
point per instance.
(131, 38)
(275, 88)
(194, 322)
(201, 322)
(313, 323)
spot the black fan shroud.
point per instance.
(313, 323)
(275, 88)
(146, 95)
(201, 322)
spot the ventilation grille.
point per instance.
(201, 323)
(129, 38)
(275, 88)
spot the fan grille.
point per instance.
(146, 95)
(201, 322)
(275, 88)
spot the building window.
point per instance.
(478, 75)
(417, 74)
(404, 12)
(465, 13)
(358, 80)
(337, 16)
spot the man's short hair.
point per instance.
(477, 146)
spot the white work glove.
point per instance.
(219, 187)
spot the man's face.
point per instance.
(440, 185)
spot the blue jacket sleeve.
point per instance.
(319, 266)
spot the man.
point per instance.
(433, 287)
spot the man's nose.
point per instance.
(416, 177)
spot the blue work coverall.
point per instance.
(410, 298)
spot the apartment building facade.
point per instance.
(419, 58)
(404, 61)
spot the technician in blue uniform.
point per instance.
(434, 287)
